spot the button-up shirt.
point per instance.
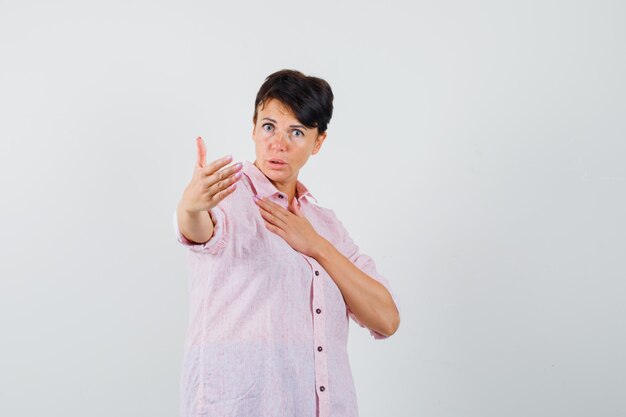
(268, 327)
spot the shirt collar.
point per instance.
(264, 188)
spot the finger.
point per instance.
(216, 187)
(268, 205)
(201, 152)
(293, 207)
(217, 198)
(223, 174)
(274, 229)
(276, 209)
(271, 217)
(214, 166)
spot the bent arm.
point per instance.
(197, 227)
(367, 298)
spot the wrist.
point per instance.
(184, 209)
(322, 249)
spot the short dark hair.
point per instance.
(309, 98)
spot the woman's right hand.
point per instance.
(209, 184)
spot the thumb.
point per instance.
(294, 207)
(201, 152)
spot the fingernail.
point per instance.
(256, 198)
(228, 157)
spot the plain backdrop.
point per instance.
(476, 152)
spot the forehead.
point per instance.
(276, 110)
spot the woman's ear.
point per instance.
(318, 143)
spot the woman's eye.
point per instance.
(268, 125)
(299, 133)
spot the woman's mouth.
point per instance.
(277, 163)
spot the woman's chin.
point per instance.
(276, 177)
(281, 172)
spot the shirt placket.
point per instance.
(319, 339)
(319, 330)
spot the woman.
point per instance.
(274, 275)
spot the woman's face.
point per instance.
(283, 144)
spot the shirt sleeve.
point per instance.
(216, 244)
(366, 264)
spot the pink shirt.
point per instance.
(268, 328)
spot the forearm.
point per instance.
(196, 227)
(367, 298)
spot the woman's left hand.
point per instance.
(291, 225)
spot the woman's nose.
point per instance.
(278, 140)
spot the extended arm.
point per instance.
(197, 226)
(207, 188)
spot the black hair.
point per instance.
(309, 98)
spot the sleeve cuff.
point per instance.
(217, 241)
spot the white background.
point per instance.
(476, 152)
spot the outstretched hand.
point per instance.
(209, 184)
(291, 225)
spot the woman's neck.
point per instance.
(288, 188)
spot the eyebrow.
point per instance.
(274, 121)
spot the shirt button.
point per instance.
(319, 348)
(318, 311)
(322, 388)
(280, 196)
(317, 272)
